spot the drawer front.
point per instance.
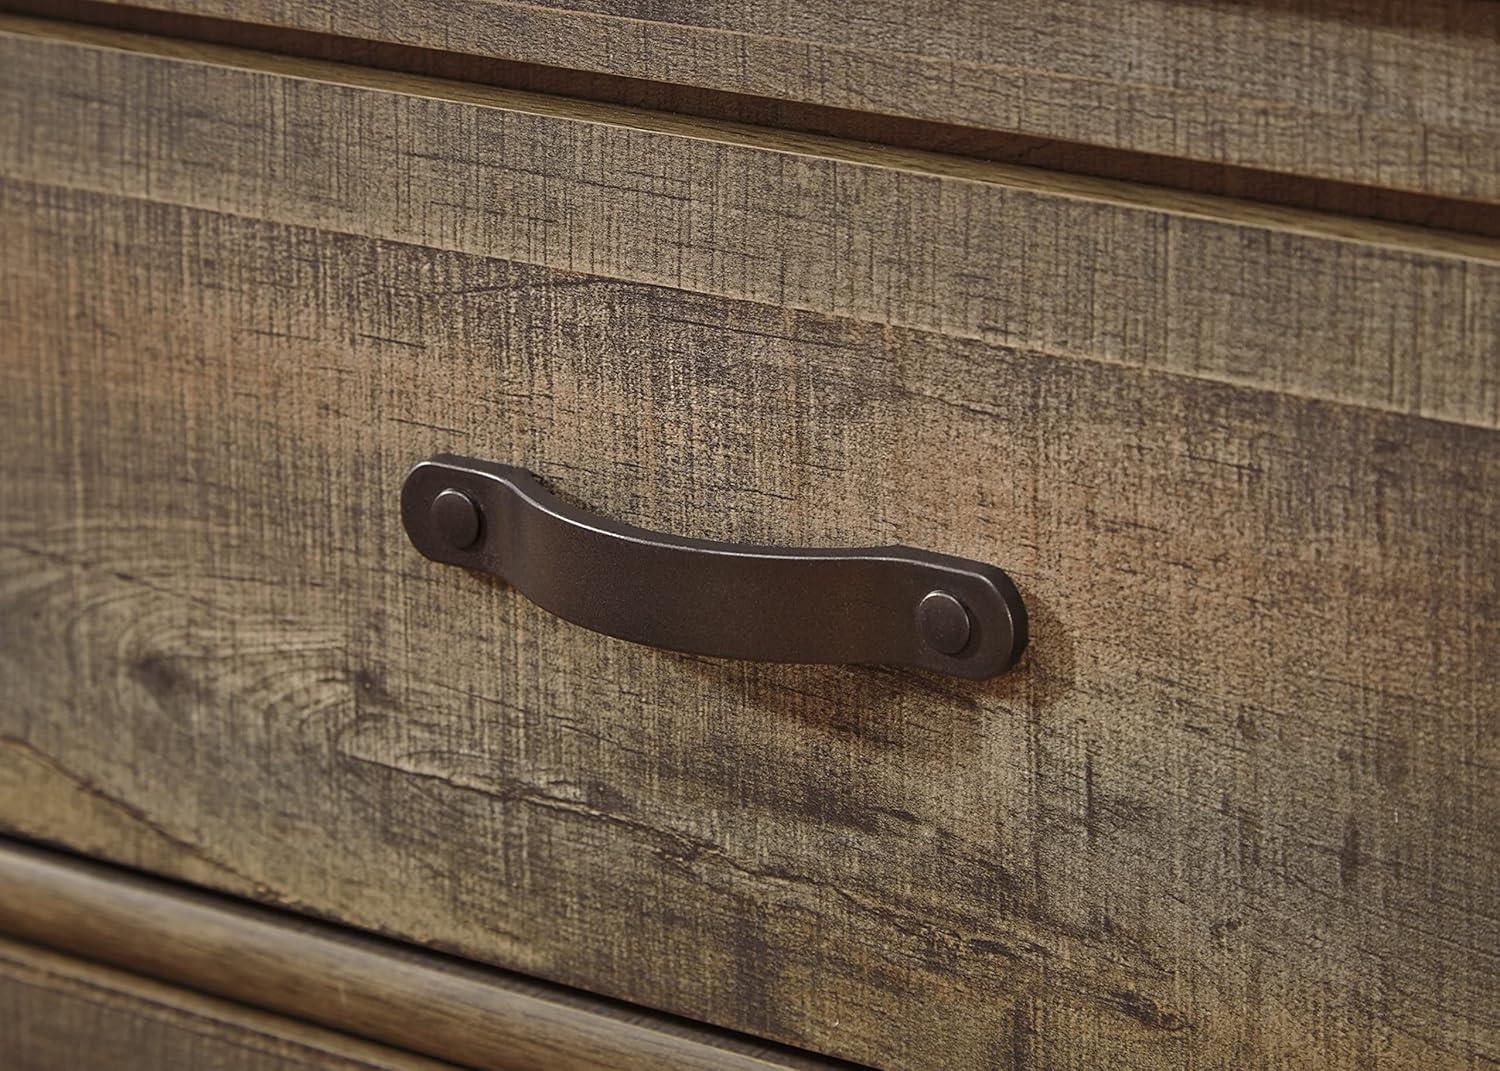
(1403, 94)
(63, 1014)
(177, 955)
(1349, 310)
(1234, 807)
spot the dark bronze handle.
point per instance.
(770, 604)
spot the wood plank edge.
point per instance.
(558, 34)
(348, 981)
(920, 162)
(1435, 417)
(1192, 174)
(194, 1012)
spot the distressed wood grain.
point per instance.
(1237, 807)
(414, 1000)
(1376, 314)
(62, 1014)
(1177, 172)
(1397, 93)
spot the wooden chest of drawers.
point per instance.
(1186, 315)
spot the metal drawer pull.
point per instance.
(773, 604)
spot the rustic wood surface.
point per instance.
(1237, 807)
(1216, 176)
(62, 1014)
(1350, 310)
(351, 982)
(1401, 93)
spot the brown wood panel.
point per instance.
(352, 982)
(1237, 807)
(1377, 314)
(62, 1014)
(1182, 173)
(1398, 93)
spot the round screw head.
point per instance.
(456, 518)
(944, 622)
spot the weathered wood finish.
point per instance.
(351, 982)
(60, 1014)
(1180, 173)
(1350, 310)
(1401, 93)
(1236, 808)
